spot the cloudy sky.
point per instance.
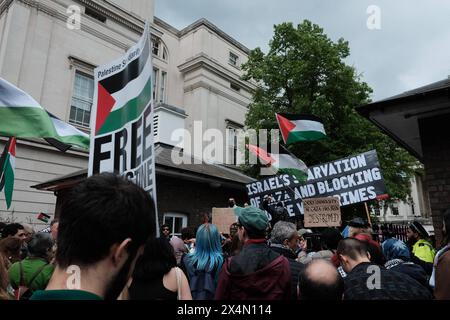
(411, 49)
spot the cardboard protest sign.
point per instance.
(223, 218)
(322, 212)
(122, 117)
(353, 179)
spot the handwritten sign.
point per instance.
(322, 212)
(223, 218)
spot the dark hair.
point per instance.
(187, 233)
(253, 233)
(446, 218)
(40, 244)
(353, 248)
(2, 225)
(330, 238)
(11, 229)
(163, 227)
(311, 289)
(103, 210)
(157, 260)
(53, 222)
(10, 247)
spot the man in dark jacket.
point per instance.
(368, 281)
(284, 240)
(257, 272)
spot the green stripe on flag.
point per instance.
(25, 122)
(295, 136)
(129, 112)
(301, 176)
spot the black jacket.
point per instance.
(361, 284)
(296, 267)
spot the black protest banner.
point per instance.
(353, 179)
(122, 118)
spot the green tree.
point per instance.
(305, 72)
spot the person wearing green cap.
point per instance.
(257, 272)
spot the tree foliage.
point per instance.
(305, 72)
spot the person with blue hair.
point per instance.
(203, 266)
(398, 259)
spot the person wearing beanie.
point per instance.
(257, 272)
(398, 258)
(422, 252)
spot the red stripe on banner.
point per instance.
(105, 103)
(382, 196)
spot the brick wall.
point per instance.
(435, 136)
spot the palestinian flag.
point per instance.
(68, 135)
(282, 163)
(43, 217)
(300, 127)
(123, 96)
(22, 117)
(8, 164)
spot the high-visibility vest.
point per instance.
(423, 250)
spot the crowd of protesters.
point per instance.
(105, 247)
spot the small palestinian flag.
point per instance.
(282, 163)
(43, 217)
(8, 164)
(123, 96)
(300, 127)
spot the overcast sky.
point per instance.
(411, 49)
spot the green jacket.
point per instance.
(30, 266)
(423, 250)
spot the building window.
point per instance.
(377, 211)
(155, 48)
(165, 55)
(155, 83)
(234, 86)
(95, 14)
(233, 59)
(394, 209)
(232, 130)
(162, 87)
(83, 92)
(176, 222)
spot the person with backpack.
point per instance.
(203, 266)
(34, 272)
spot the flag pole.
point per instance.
(367, 212)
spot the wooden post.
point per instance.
(368, 214)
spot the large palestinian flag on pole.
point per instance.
(300, 127)
(282, 163)
(122, 118)
(22, 117)
(123, 92)
(7, 165)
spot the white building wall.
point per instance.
(40, 55)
